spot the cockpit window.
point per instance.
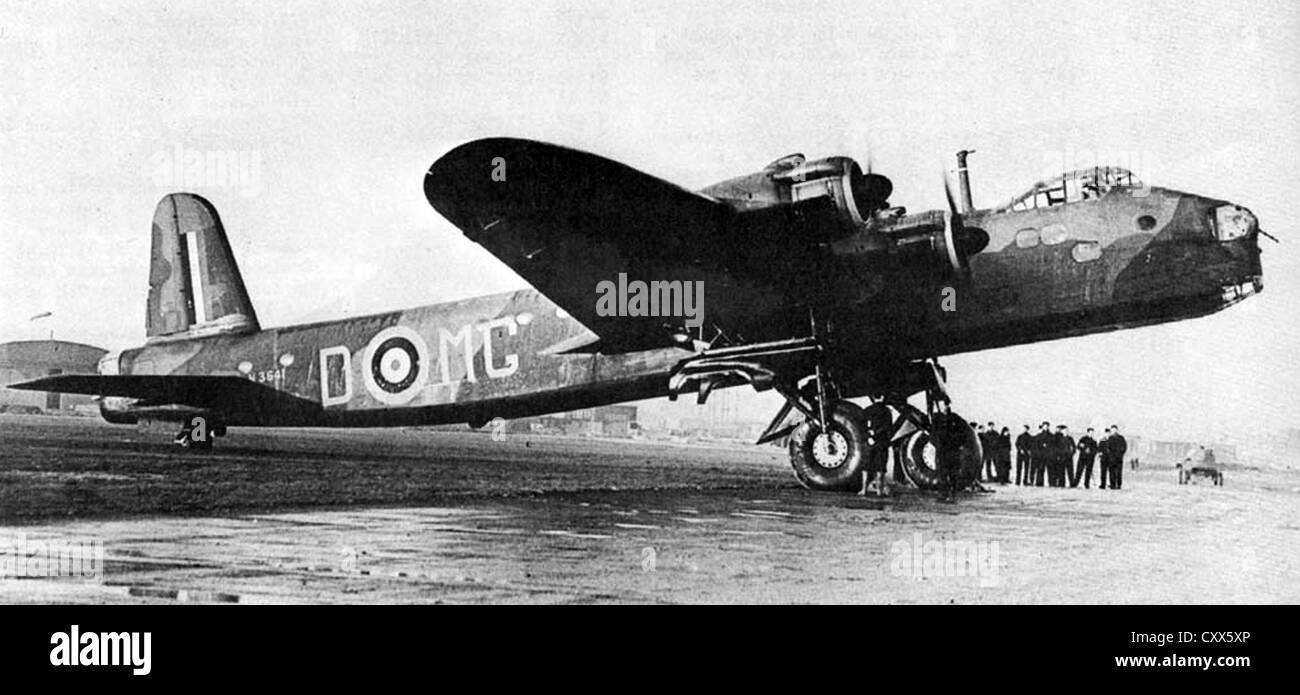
(1073, 187)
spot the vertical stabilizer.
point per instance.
(194, 285)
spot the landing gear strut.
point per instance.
(827, 434)
(828, 446)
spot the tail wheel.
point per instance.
(830, 460)
(919, 457)
(188, 442)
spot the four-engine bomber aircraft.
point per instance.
(813, 285)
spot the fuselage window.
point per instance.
(1085, 251)
(1054, 234)
(1027, 238)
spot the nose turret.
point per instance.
(1237, 230)
(1234, 222)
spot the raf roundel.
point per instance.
(397, 362)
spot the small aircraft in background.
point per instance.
(813, 284)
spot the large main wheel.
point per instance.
(919, 457)
(830, 460)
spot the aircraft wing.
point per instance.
(567, 220)
(228, 394)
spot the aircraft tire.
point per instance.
(916, 453)
(835, 462)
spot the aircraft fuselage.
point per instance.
(1129, 257)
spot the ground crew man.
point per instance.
(1054, 456)
(1103, 458)
(1117, 449)
(1042, 451)
(879, 425)
(1087, 454)
(1066, 452)
(949, 437)
(989, 442)
(1003, 463)
(1024, 445)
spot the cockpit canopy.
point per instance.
(1073, 187)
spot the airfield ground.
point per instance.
(299, 516)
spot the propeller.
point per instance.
(871, 190)
(962, 241)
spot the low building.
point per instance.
(25, 360)
(606, 421)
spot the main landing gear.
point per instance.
(827, 434)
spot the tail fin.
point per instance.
(194, 285)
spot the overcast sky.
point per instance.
(332, 114)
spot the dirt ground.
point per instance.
(300, 516)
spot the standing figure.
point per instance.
(1024, 445)
(949, 436)
(1067, 450)
(1042, 451)
(989, 440)
(1103, 458)
(879, 425)
(1118, 447)
(1003, 463)
(1087, 454)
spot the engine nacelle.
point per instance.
(856, 195)
(115, 409)
(118, 410)
(937, 238)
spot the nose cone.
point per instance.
(1237, 229)
(1236, 267)
(1206, 258)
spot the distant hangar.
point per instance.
(24, 360)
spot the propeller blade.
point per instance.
(947, 192)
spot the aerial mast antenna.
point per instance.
(963, 181)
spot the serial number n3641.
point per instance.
(267, 375)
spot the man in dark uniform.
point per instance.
(879, 425)
(1042, 452)
(1024, 445)
(1117, 449)
(1087, 453)
(949, 436)
(1067, 449)
(1103, 458)
(1003, 462)
(989, 442)
(1054, 443)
